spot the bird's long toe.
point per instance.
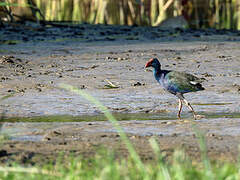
(179, 116)
(198, 116)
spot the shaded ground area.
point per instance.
(108, 62)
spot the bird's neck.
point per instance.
(157, 72)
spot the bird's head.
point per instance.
(153, 62)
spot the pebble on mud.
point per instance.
(3, 153)
(236, 87)
(82, 87)
(207, 75)
(138, 84)
(57, 133)
(5, 78)
(178, 58)
(7, 59)
(38, 89)
(211, 135)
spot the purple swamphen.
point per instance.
(176, 83)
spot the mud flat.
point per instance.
(92, 58)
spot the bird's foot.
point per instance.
(198, 116)
(179, 117)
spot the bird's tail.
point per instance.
(199, 87)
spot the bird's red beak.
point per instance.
(149, 63)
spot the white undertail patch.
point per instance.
(193, 82)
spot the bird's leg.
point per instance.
(179, 109)
(190, 107)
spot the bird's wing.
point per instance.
(183, 82)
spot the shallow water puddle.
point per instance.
(211, 104)
(90, 118)
(36, 128)
(118, 116)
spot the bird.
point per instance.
(177, 83)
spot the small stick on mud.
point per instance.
(111, 84)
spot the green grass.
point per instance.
(104, 165)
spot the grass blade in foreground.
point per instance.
(165, 172)
(203, 149)
(113, 120)
(28, 170)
